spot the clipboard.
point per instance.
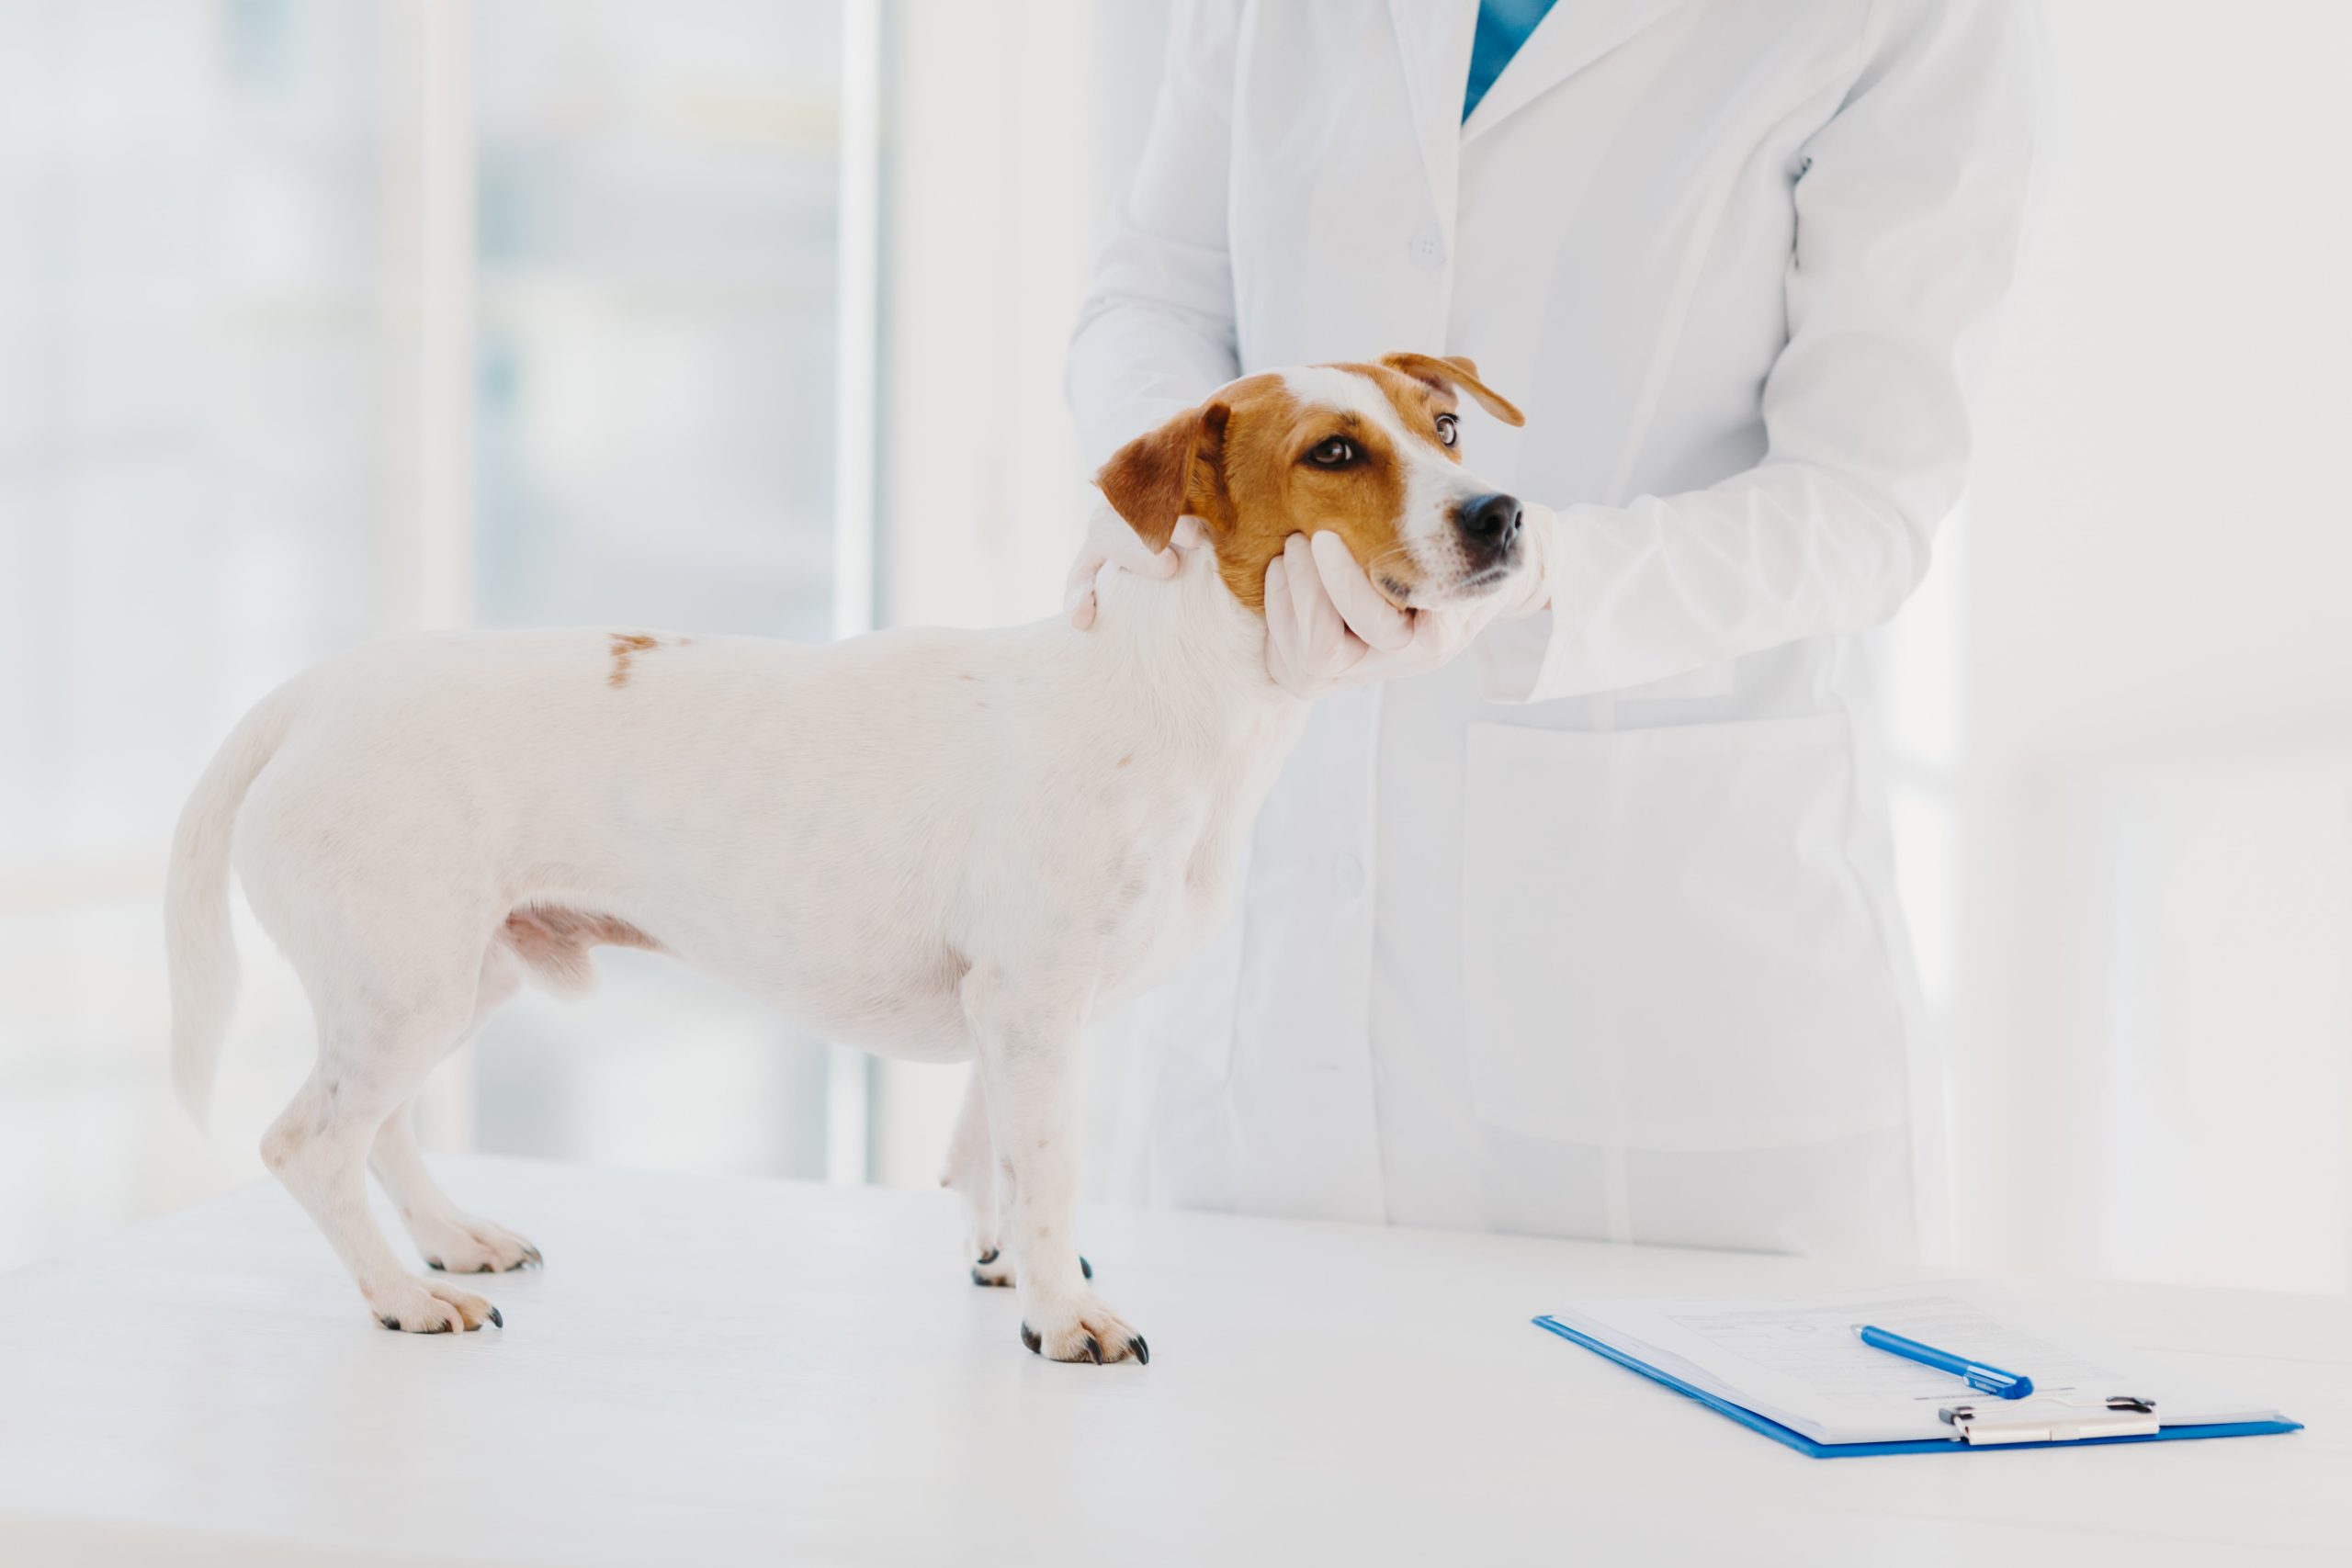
(1975, 1427)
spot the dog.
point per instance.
(939, 845)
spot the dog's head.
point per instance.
(1369, 452)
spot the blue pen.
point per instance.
(1980, 1377)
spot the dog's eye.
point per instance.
(1332, 454)
(1448, 429)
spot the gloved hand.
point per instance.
(1327, 627)
(1111, 542)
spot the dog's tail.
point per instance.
(196, 936)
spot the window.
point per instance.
(320, 321)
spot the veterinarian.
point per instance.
(1593, 932)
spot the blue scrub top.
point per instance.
(1503, 26)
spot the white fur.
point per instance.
(936, 844)
(932, 843)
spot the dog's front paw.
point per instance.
(1083, 1330)
(428, 1306)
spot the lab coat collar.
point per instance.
(1435, 36)
(1571, 36)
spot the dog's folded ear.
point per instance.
(1159, 478)
(1452, 372)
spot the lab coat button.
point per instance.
(1428, 247)
(1347, 873)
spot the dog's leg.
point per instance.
(971, 1176)
(451, 1238)
(1028, 1056)
(373, 1056)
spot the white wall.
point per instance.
(2154, 1067)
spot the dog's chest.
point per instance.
(1170, 864)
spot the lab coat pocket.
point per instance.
(1665, 942)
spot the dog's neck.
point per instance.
(1194, 653)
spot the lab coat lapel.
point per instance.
(1433, 36)
(1571, 36)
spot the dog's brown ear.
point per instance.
(1155, 479)
(1455, 371)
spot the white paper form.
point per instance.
(1799, 1362)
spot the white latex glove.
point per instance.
(1327, 627)
(1109, 542)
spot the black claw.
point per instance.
(433, 1263)
(1085, 1268)
(441, 1327)
(487, 1269)
(1029, 1337)
(496, 1319)
(391, 1323)
(989, 1256)
(1094, 1348)
(1142, 1350)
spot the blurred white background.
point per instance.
(321, 319)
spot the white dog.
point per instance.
(935, 844)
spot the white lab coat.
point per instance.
(1595, 932)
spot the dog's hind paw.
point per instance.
(995, 1269)
(471, 1247)
(1085, 1331)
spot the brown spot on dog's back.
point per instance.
(627, 646)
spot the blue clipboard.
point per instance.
(1811, 1450)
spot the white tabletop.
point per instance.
(716, 1371)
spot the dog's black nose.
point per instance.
(1490, 523)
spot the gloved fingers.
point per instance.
(1281, 631)
(1113, 537)
(1379, 623)
(1322, 631)
(1077, 589)
(1287, 626)
(1308, 648)
(1111, 541)
(1438, 636)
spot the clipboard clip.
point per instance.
(2123, 1415)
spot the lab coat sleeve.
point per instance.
(1909, 212)
(1156, 333)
